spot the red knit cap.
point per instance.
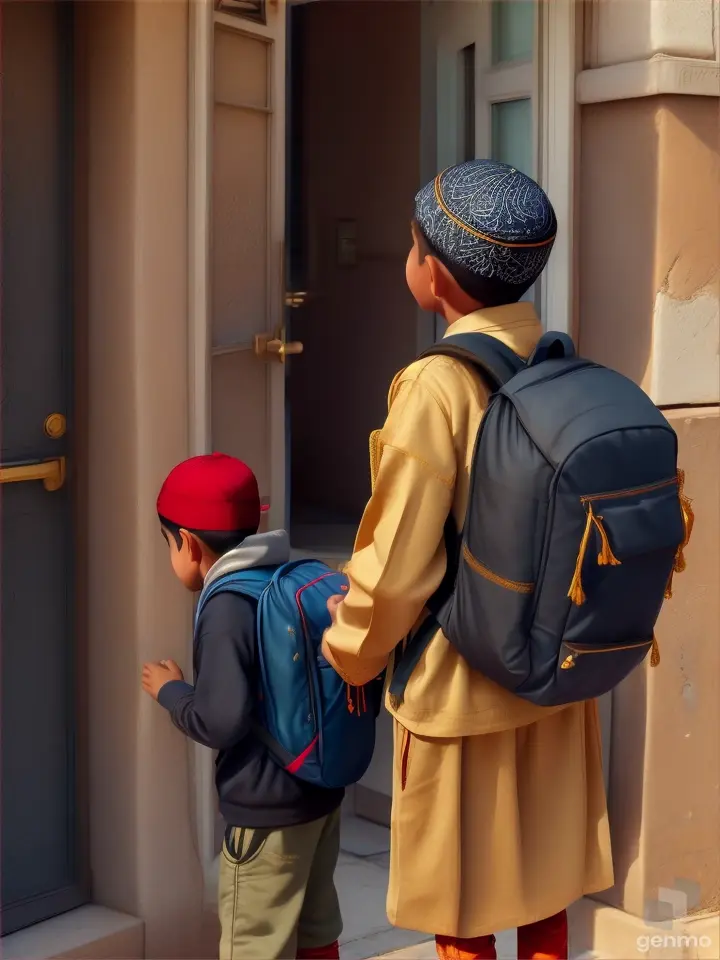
(213, 492)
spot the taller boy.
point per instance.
(499, 815)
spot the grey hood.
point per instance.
(261, 550)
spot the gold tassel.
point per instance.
(576, 592)
(655, 653)
(668, 587)
(606, 558)
(688, 521)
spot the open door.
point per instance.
(249, 351)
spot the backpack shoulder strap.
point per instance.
(250, 583)
(493, 359)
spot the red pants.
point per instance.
(544, 940)
(331, 952)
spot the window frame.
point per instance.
(548, 80)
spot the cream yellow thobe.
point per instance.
(499, 815)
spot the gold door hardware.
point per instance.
(296, 298)
(51, 472)
(55, 426)
(271, 347)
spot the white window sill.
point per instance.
(88, 933)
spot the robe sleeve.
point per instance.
(399, 556)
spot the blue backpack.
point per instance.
(576, 522)
(313, 724)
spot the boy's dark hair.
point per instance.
(488, 291)
(219, 541)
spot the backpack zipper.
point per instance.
(633, 491)
(514, 585)
(575, 652)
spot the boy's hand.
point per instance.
(156, 675)
(333, 604)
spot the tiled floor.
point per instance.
(362, 877)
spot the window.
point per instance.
(485, 83)
(512, 140)
(467, 106)
(513, 31)
(511, 90)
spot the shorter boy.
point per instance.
(277, 897)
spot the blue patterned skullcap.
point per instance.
(490, 219)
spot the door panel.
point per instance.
(240, 224)
(40, 867)
(247, 413)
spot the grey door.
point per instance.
(38, 811)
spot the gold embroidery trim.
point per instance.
(471, 230)
(375, 454)
(485, 572)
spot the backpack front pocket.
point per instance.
(644, 527)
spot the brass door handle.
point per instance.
(283, 349)
(269, 347)
(296, 298)
(51, 472)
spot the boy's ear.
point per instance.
(191, 543)
(440, 278)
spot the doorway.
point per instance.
(41, 868)
(354, 170)
(380, 96)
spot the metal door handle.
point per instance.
(283, 349)
(269, 347)
(51, 472)
(296, 298)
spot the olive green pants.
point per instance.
(277, 890)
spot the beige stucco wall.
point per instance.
(649, 233)
(132, 88)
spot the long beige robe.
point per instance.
(499, 815)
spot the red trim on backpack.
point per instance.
(305, 587)
(299, 761)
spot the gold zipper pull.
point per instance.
(569, 662)
(655, 653)
(606, 558)
(576, 592)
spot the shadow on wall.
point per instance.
(360, 129)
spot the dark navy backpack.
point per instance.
(576, 522)
(314, 724)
